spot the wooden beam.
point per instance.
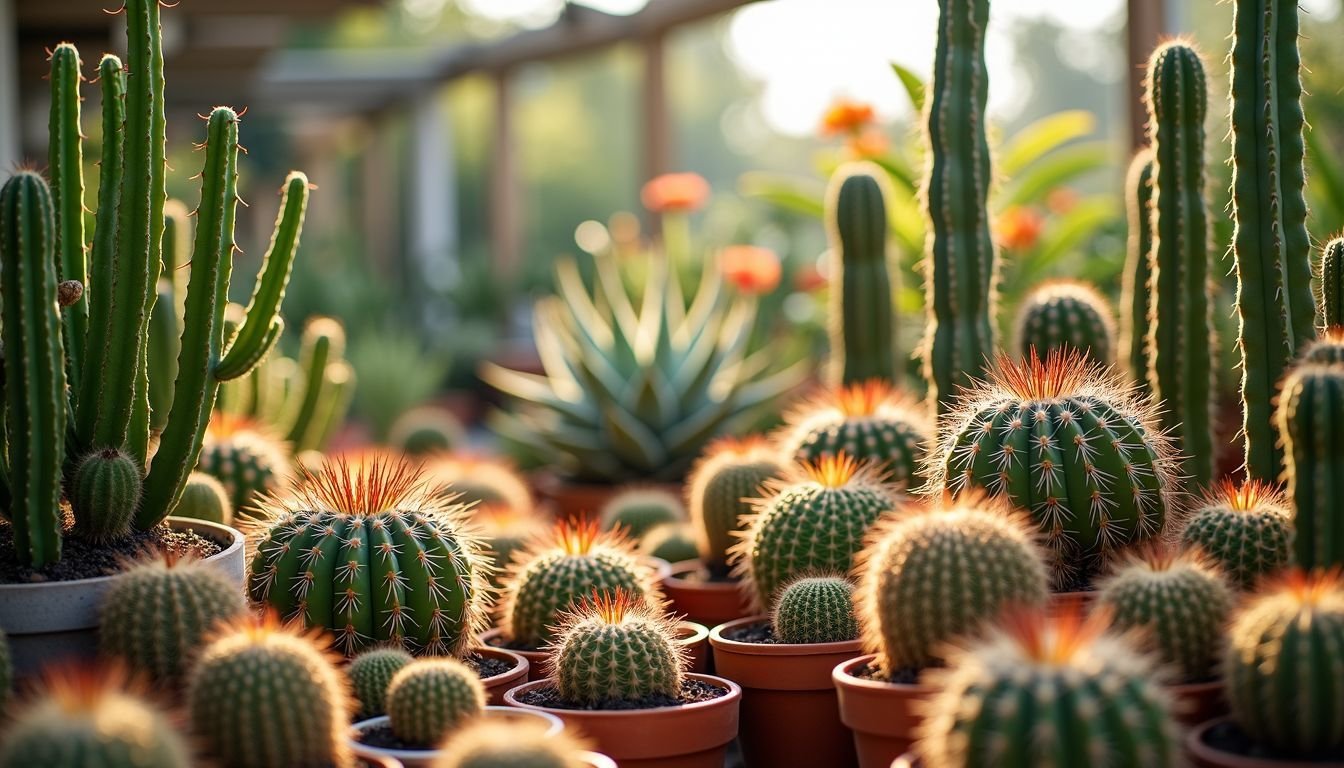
(656, 119)
(1146, 25)
(505, 203)
(79, 12)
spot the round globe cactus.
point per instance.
(635, 510)
(370, 675)
(204, 498)
(480, 481)
(428, 699)
(426, 430)
(158, 611)
(615, 647)
(1045, 690)
(106, 490)
(815, 609)
(555, 572)
(1282, 665)
(927, 578)
(1066, 315)
(492, 744)
(1244, 528)
(673, 542)
(720, 485)
(372, 556)
(869, 422)
(246, 459)
(1327, 348)
(505, 530)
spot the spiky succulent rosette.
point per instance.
(869, 421)
(1067, 440)
(1245, 528)
(615, 646)
(247, 458)
(480, 480)
(375, 556)
(719, 489)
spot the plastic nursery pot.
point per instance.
(1203, 752)
(1198, 702)
(492, 639)
(790, 715)
(58, 620)
(695, 639)
(882, 715)
(498, 685)
(422, 758)
(692, 594)
(685, 736)
(581, 501)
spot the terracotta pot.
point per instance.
(1198, 702)
(1065, 602)
(698, 599)
(497, 686)
(422, 758)
(1204, 755)
(58, 620)
(790, 716)
(686, 736)
(883, 716)
(536, 660)
(695, 639)
(581, 501)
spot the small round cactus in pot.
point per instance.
(1066, 314)
(1244, 528)
(636, 510)
(247, 459)
(371, 673)
(426, 700)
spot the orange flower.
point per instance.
(846, 117)
(1018, 227)
(1061, 200)
(752, 269)
(675, 192)
(870, 143)
(809, 278)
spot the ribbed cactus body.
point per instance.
(1066, 314)
(1270, 245)
(1311, 408)
(636, 510)
(815, 609)
(65, 166)
(106, 492)
(480, 481)
(425, 431)
(730, 473)
(487, 743)
(1330, 286)
(673, 542)
(1283, 669)
(1180, 323)
(427, 699)
(1136, 297)
(869, 422)
(323, 346)
(615, 648)
(960, 260)
(247, 461)
(204, 498)
(371, 673)
(1246, 530)
(862, 322)
(1327, 349)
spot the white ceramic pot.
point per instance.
(422, 758)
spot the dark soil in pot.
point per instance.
(382, 737)
(485, 667)
(83, 560)
(692, 691)
(1229, 737)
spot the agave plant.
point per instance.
(636, 383)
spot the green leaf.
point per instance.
(1054, 170)
(913, 85)
(800, 195)
(1042, 137)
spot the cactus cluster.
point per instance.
(815, 609)
(425, 431)
(427, 699)
(867, 421)
(492, 744)
(1136, 294)
(479, 480)
(636, 510)
(371, 673)
(1244, 528)
(731, 472)
(614, 646)
(862, 320)
(204, 498)
(1066, 314)
(1311, 407)
(246, 459)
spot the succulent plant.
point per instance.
(1326, 349)
(204, 498)
(264, 695)
(159, 610)
(635, 389)
(480, 480)
(427, 430)
(1282, 666)
(730, 473)
(1311, 406)
(862, 320)
(1064, 439)
(637, 509)
(1136, 300)
(615, 646)
(813, 519)
(1060, 314)
(372, 555)
(927, 578)
(427, 699)
(868, 421)
(673, 542)
(107, 485)
(1179, 600)
(557, 570)
(371, 673)
(1330, 286)
(491, 744)
(90, 719)
(1043, 690)
(247, 459)
(1244, 528)
(815, 609)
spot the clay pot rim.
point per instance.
(597, 759)
(678, 572)
(717, 640)
(1207, 685)
(698, 632)
(841, 675)
(1197, 748)
(734, 694)
(520, 666)
(554, 726)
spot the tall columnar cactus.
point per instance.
(862, 322)
(960, 261)
(1180, 322)
(1049, 691)
(1066, 314)
(615, 647)
(165, 321)
(247, 459)
(1270, 243)
(815, 609)
(1136, 297)
(320, 360)
(371, 673)
(427, 699)
(372, 556)
(1311, 409)
(1245, 528)
(562, 568)
(480, 481)
(730, 472)
(1330, 286)
(488, 743)
(264, 696)
(1065, 440)
(636, 510)
(812, 519)
(868, 421)
(1282, 666)
(927, 578)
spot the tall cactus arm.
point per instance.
(35, 399)
(65, 161)
(1136, 295)
(1330, 285)
(861, 317)
(323, 342)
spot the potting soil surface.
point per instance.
(82, 560)
(486, 666)
(692, 691)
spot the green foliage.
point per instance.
(370, 674)
(1066, 314)
(397, 373)
(204, 498)
(815, 609)
(1136, 299)
(1245, 529)
(1311, 408)
(427, 699)
(729, 472)
(869, 422)
(636, 510)
(106, 490)
(615, 647)
(862, 322)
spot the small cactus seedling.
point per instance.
(868, 421)
(204, 498)
(1283, 668)
(1311, 407)
(615, 647)
(556, 571)
(158, 612)
(927, 578)
(1064, 439)
(1178, 600)
(1244, 528)
(730, 473)
(1048, 691)
(815, 609)
(814, 518)
(370, 674)
(246, 459)
(1066, 314)
(491, 744)
(107, 484)
(427, 699)
(426, 430)
(673, 542)
(635, 510)
(480, 480)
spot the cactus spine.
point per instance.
(1311, 409)
(730, 472)
(1136, 297)
(1066, 314)
(815, 609)
(862, 323)
(1270, 243)
(869, 422)
(615, 647)
(427, 699)
(1246, 529)
(1180, 370)
(371, 673)
(960, 261)
(1330, 285)
(106, 490)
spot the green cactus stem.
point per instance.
(1330, 285)
(615, 647)
(1245, 528)
(427, 699)
(815, 609)
(371, 673)
(1311, 409)
(862, 321)
(65, 164)
(323, 343)
(104, 494)
(730, 472)
(1136, 300)
(1063, 314)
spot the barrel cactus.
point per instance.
(370, 674)
(480, 480)
(815, 609)
(427, 699)
(1068, 314)
(635, 510)
(1064, 439)
(673, 542)
(246, 459)
(868, 421)
(204, 498)
(492, 744)
(425, 431)
(1311, 407)
(1045, 690)
(814, 518)
(374, 557)
(503, 531)
(615, 647)
(731, 472)
(1244, 528)
(107, 483)
(929, 577)
(862, 319)
(1330, 286)
(1326, 349)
